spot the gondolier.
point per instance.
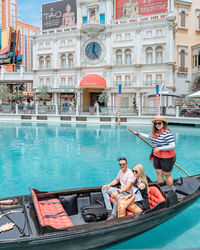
(163, 154)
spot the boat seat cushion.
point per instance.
(51, 212)
(155, 197)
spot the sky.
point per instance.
(30, 11)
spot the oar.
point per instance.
(153, 147)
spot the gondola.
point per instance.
(53, 220)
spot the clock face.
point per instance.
(93, 51)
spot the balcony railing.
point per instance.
(153, 83)
(182, 70)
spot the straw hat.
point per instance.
(159, 118)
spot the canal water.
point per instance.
(60, 156)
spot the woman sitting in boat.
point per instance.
(163, 154)
(137, 201)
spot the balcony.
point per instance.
(196, 69)
(182, 70)
(92, 29)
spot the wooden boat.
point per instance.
(53, 220)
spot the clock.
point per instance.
(93, 51)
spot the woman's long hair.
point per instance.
(154, 129)
(141, 173)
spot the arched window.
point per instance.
(128, 56)
(183, 17)
(70, 61)
(41, 62)
(127, 80)
(48, 59)
(63, 61)
(149, 55)
(182, 60)
(119, 57)
(159, 55)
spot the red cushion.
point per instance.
(155, 196)
(52, 207)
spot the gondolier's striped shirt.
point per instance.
(164, 141)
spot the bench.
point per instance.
(50, 212)
(155, 197)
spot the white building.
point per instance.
(101, 52)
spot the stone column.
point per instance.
(54, 58)
(138, 46)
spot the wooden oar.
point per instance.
(153, 147)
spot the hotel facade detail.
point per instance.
(97, 45)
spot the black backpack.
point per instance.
(94, 213)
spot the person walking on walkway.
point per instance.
(163, 154)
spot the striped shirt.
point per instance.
(164, 141)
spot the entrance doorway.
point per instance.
(94, 97)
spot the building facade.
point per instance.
(106, 47)
(187, 45)
(8, 18)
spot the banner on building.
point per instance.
(58, 14)
(136, 8)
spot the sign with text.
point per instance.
(136, 8)
(58, 14)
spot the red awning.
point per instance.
(93, 81)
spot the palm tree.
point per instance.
(43, 93)
(104, 97)
(4, 94)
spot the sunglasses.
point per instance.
(122, 164)
(135, 171)
(158, 123)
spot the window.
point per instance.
(102, 18)
(48, 81)
(41, 63)
(63, 82)
(182, 62)
(149, 34)
(128, 56)
(85, 19)
(119, 57)
(48, 62)
(149, 55)
(159, 55)
(182, 18)
(69, 42)
(62, 43)
(182, 59)
(198, 19)
(70, 61)
(159, 32)
(41, 45)
(148, 80)
(124, 102)
(118, 80)
(159, 79)
(118, 37)
(41, 82)
(47, 45)
(63, 61)
(127, 80)
(70, 82)
(127, 36)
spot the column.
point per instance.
(138, 46)
(138, 102)
(54, 54)
(171, 43)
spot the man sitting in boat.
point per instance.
(137, 202)
(126, 179)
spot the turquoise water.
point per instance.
(60, 156)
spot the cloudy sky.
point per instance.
(30, 11)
